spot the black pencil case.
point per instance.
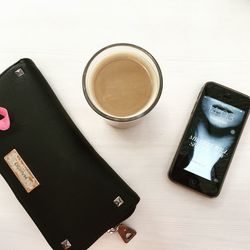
(69, 191)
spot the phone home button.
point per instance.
(193, 182)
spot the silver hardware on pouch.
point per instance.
(118, 201)
(66, 244)
(19, 72)
(125, 232)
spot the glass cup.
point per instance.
(115, 56)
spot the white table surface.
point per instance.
(194, 42)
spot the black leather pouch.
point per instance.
(70, 192)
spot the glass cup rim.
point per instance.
(114, 118)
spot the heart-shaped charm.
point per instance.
(5, 121)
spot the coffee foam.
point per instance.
(116, 53)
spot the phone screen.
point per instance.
(211, 134)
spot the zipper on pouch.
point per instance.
(125, 232)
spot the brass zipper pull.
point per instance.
(126, 233)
